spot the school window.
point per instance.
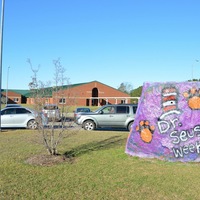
(123, 101)
(62, 101)
(16, 99)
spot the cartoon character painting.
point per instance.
(169, 97)
(167, 124)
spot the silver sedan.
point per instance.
(21, 117)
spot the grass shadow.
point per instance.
(95, 146)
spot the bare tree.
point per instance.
(33, 84)
(53, 134)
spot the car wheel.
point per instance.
(32, 124)
(130, 126)
(89, 125)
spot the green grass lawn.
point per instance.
(100, 170)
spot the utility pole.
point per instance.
(7, 86)
(1, 50)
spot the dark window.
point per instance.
(134, 109)
(122, 109)
(22, 111)
(50, 107)
(9, 111)
(62, 101)
(83, 110)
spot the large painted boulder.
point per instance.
(167, 123)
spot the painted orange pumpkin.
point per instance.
(146, 135)
(194, 103)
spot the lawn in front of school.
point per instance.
(98, 169)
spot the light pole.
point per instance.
(7, 86)
(1, 50)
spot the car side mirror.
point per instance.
(100, 112)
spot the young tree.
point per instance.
(53, 134)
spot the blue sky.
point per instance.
(111, 41)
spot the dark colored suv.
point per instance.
(115, 116)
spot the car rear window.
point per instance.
(50, 107)
(83, 110)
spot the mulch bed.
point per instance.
(48, 160)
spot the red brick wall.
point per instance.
(80, 94)
(13, 96)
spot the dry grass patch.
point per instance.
(48, 160)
